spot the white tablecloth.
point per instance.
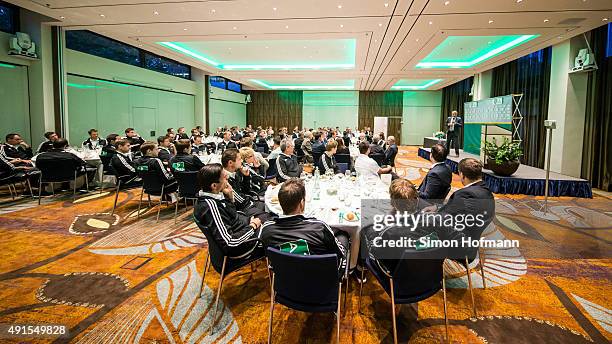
(214, 139)
(331, 207)
(210, 159)
(354, 151)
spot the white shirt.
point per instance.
(436, 164)
(218, 196)
(366, 166)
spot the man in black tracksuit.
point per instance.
(123, 165)
(287, 164)
(150, 164)
(215, 213)
(295, 233)
(134, 139)
(184, 161)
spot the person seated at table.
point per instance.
(227, 142)
(16, 148)
(47, 144)
(307, 147)
(257, 172)
(9, 169)
(181, 134)
(318, 146)
(197, 147)
(293, 232)
(134, 138)
(184, 161)
(275, 149)
(59, 154)
(367, 167)
(328, 160)
(236, 136)
(437, 182)
(262, 162)
(376, 149)
(391, 151)
(123, 164)
(93, 142)
(216, 213)
(150, 163)
(342, 149)
(239, 177)
(166, 149)
(194, 132)
(287, 165)
(403, 198)
(169, 131)
(379, 139)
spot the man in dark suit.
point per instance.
(436, 184)
(453, 125)
(391, 151)
(473, 199)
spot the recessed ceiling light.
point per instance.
(273, 8)
(102, 15)
(386, 4)
(446, 3)
(546, 20)
(375, 41)
(234, 28)
(213, 11)
(286, 26)
(156, 13)
(560, 37)
(379, 24)
(417, 39)
(490, 22)
(185, 29)
(62, 17)
(519, 1)
(339, 6)
(430, 22)
(341, 25)
(267, 47)
(304, 47)
(605, 19)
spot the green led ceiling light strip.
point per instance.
(496, 46)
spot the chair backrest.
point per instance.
(106, 163)
(343, 158)
(379, 158)
(418, 272)
(187, 183)
(263, 146)
(316, 158)
(271, 172)
(308, 280)
(261, 149)
(151, 183)
(342, 166)
(56, 170)
(215, 251)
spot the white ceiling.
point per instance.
(391, 36)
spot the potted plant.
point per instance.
(439, 135)
(503, 159)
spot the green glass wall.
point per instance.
(330, 109)
(14, 105)
(111, 107)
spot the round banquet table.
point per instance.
(331, 208)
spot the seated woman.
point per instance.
(328, 161)
(184, 161)
(342, 149)
(149, 164)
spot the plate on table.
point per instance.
(351, 216)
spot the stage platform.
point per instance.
(527, 180)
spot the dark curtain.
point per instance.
(529, 75)
(275, 108)
(453, 98)
(378, 104)
(597, 146)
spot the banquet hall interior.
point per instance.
(236, 171)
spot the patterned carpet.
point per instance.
(119, 279)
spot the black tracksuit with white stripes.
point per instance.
(124, 166)
(229, 228)
(287, 167)
(147, 164)
(328, 163)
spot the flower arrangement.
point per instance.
(439, 135)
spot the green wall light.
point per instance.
(468, 51)
(184, 50)
(6, 65)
